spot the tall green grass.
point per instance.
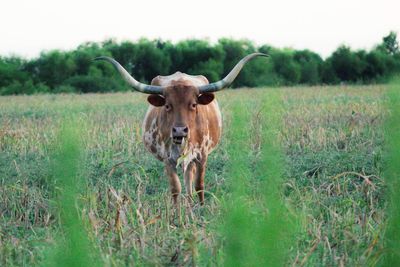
(240, 243)
(392, 255)
(258, 228)
(278, 229)
(73, 247)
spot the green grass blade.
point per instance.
(258, 229)
(74, 249)
(276, 231)
(392, 236)
(238, 225)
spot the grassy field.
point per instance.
(331, 140)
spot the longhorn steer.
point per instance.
(183, 123)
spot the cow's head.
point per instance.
(180, 100)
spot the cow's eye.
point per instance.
(193, 106)
(168, 107)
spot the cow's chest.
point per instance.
(164, 150)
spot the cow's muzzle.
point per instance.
(178, 133)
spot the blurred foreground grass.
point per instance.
(258, 227)
(72, 247)
(332, 160)
(392, 175)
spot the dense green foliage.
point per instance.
(74, 71)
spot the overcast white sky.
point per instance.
(30, 26)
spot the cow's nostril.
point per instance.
(180, 131)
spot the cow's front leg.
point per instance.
(174, 183)
(188, 174)
(199, 182)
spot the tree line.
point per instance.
(75, 71)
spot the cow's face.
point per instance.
(180, 103)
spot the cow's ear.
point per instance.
(156, 100)
(206, 98)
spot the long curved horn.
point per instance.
(141, 87)
(225, 82)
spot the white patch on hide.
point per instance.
(196, 151)
(218, 113)
(148, 135)
(177, 76)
